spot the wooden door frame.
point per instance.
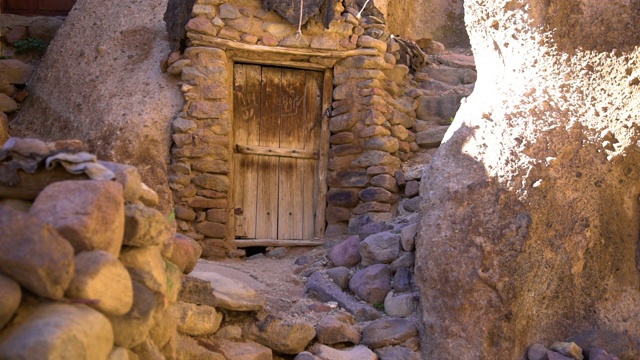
(320, 192)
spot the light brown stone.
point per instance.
(211, 229)
(101, 277)
(91, 219)
(283, 337)
(369, 42)
(186, 253)
(213, 182)
(34, 254)
(145, 226)
(7, 104)
(133, 328)
(59, 331)
(197, 320)
(146, 265)
(10, 299)
(15, 71)
(4, 128)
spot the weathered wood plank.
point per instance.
(279, 152)
(205, 40)
(321, 200)
(267, 206)
(290, 209)
(241, 243)
(247, 112)
(283, 63)
(312, 127)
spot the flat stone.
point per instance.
(213, 182)
(386, 332)
(343, 122)
(377, 194)
(385, 181)
(211, 229)
(133, 328)
(431, 137)
(196, 291)
(202, 25)
(15, 71)
(413, 172)
(190, 349)
(401, 305)
(346, 253)
(371, 207)
(183, 126)
(369, 42)
(343, 197)
(325, 290)
(295, 41)
(197, 320)
(381, 248)
(228, 11)
(281, 336)
(348, 178)
(337, 328)
(91, 219)
(372, 284)
(402, 280)
(231, 294)
(342, 138)
(340, 276)
(33, 254)
(185, 213)
(246, 350)
(144, 226)
(358, 352)
(100, 276)
(10, 299)
(45, 28)
(59, 331)
(397, 352)
(146, 265)
(408, 236)
(412, 188)
(387, 144)
(376, 158)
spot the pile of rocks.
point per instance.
(88, 269)
(14, 28)
(14, 75)
(594, 344)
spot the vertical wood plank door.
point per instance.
(277, 127)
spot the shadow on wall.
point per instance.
(589, 24)
(499, 273)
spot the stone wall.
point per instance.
(88, 268)
(369, 121)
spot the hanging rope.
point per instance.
(361, 10)
(299, 32)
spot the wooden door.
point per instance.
(278, 123)
(38, 7)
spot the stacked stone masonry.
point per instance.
(88, 268)
(382, 115)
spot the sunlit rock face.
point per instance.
(440, 20)
(529, 223)
(101, 81)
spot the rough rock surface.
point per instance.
(118, 90)
(11, 296)
(58, 331)
(536, 232)
(92, 219)
(34, 254)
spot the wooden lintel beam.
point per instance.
(241, 243)
(269, 151)
(291, 64)
(206, 40)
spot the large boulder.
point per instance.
(115, 97)
(530, 220)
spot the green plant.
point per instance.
(451, 119)
(30, 45)
(5, 57)
(379, 306)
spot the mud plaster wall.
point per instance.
(371, 118)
